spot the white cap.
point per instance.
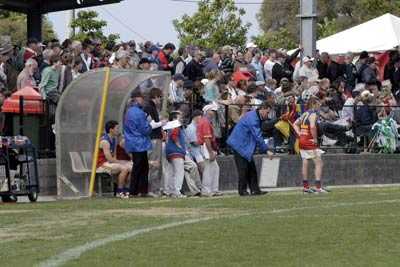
(308, 59)
(366, 93)
(259, 83)
(210, 107)
(251, 45)
(204, 81)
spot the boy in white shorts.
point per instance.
(306, 129)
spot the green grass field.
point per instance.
(349, 227)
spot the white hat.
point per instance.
(204, 81)
(308, 59)
(210, 107)
(366, 93)
(251, 45)
(260, 83)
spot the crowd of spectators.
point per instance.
(356, 92)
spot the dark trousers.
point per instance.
(140, 173)
(247, 174)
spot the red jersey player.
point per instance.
(306, 128)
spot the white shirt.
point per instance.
(269, 64)
(310, 73)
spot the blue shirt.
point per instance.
(137, 130)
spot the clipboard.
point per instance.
(269, 172)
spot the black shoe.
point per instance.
(259, 193)
(244, 194)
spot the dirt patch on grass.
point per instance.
(5, 212)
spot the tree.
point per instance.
(14, 25)
(276, 39)
(334, 15)
(90, 27)
(215, 24)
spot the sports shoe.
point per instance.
(322, 190)
(217, 194)
(177, 196)
(121, 195)
(308, 191)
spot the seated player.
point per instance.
(107, 160)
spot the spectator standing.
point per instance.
(191, 136)
(244, 139)
(327, 68)
(394, 75)
(86, 56)
(151, 107)
(30, 51)
(26, 78)
(194, 69)
(279, 71)
(165, 58)
(175, 150)
(122, 59)
(76, 47)
(308, 71)
(50, 77)
(211, 89)
(369, 74)
(269, 64)
(66, 72)
(5, 52)
(137, 131)
(207, 141)
(179, 62)
(211, 63)
(257, 66)
(350, 72)
(77, 66)
(227, 64)
(176, 91)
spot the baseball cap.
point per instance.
(260, 83)
(251, 45)
(308, 59)
(210, 107)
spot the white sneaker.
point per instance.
(322, 191)
(177, 196)
(121, 195)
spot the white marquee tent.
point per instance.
(379, 34)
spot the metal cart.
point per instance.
(18, 169)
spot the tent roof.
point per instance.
(379, 34)
(45, 6)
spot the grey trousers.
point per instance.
(155, 166)
(192, 176)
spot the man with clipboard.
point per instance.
(244, 139)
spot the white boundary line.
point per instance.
(76, 252)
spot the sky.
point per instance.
(150, 19)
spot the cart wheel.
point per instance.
(33, 197)
(9, 199)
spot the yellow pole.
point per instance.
(100, 129)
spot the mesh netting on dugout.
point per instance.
(78, 114)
